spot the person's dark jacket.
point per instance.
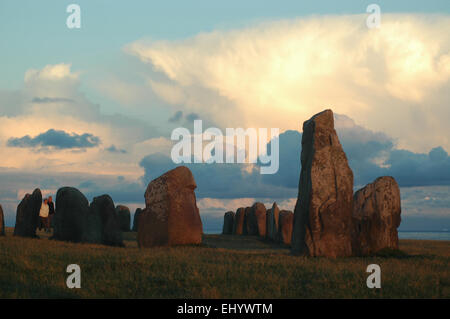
(51, 207)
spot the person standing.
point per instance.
(43, 215)
(51, 212)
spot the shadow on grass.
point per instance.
(241, 242)
(399, 254)
(35, 291)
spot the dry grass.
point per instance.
(223, 267)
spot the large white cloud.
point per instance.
(277, 74)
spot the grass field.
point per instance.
(222, 267)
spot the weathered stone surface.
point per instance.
(123, 212)
(252, 225)
(171, 216)
(376, 216)
(136, 219)
(286, 221)
(71, 216)
(246, 230)
(323, 213)
(2, 222)
(27, 216)
(256, 223)
(272, 222)
(228, 223)
(103, 222)
(239, 226)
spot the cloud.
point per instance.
(413, 169)
(51, 100)
(54, 72)
(393, 79)
(114, 149)
(188, 118)
(56, 139)
(370, 155)
(217, 180)
(192, 117)
(176, 117)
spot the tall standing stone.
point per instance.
(376, 216)
(123, 212)
(171, 215)
(239, 225)
(272, 222)
(228, 223)
(71, 216)
(2, 222)
(27, 216)
(136, 219)
(323, 212)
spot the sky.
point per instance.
(94, 107)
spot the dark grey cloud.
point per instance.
(370, 154)
(192, 117)
(114, 149)
(176, 117)
(413, 169)
(217, 180)
(55, 139)
(87, 184)
(46, 99)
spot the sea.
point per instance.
(431, 235)
(427, 235)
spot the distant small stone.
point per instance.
(123, 212)
(286, 221)
(136, 219)
(256, 223)
(228, 223)
(2, 222)
(272, 222)
(239, 225)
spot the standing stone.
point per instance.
(27, 216)
(103, 223)
(256, 222)
(171, 215)
(286, 221)
(272, 222)
(228, 223)
(239, 223)
(376, 217)
(136, 219)
(246, 230)
(323, 212)
(2, 222)
(123, 212)
(71, 216)
(252, 225)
